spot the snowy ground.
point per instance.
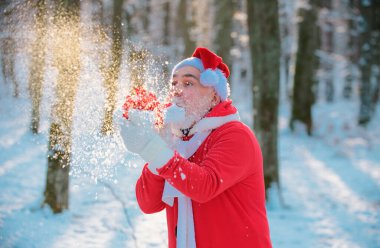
(330, 186)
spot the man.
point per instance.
(208, 173)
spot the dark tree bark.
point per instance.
(8, 62)
(166, 30)
(369, 58)
(66, 52)
(145, 17)
(306, 65)
(353, 51)
(37, 64)
(263, 26)
(223, 42)
(8, 45)
(285, 34)
(376, 60)
(327, 47)
(183, 27)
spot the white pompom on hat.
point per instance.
(214, 72)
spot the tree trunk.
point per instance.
(369, 39)
(353, 52)
(306, 63)
(112, 74)
(223, 42)
(166, 26)
(263, 26)
(66, 54)
(57, 180)
(37, 65)
(183, 28)
(8, 61)
(8, 46)
(145, 16)
(327, 48)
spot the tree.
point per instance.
(166, 26)
(8, 44)
(223, 42)
(327, 49)
(111, 74)
(203, 17)
(65, 37)
(369, 39)
(184, 25)
(306, 64)
(286, 35)
(263, 29)
(37, 63)
(353, 52)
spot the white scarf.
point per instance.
(185, 224)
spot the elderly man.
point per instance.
(205, 168)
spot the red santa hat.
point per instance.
(214, 72)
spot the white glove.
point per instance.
(174, 115)
(140, 137)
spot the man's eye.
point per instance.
(188, 83)
(174, 83)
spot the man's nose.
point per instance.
(177, 91)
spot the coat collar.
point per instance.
(221, 114)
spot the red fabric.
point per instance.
(187, 138)
(222, 109)
(224, 179)
(210, 60)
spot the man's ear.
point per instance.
(215, 99)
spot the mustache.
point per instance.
(178, 102)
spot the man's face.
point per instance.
(187, 92)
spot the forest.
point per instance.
(305, 77)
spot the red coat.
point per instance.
(224, 179)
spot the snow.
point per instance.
(183, 176)
(331, 201)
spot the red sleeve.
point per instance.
(149, 188)
(232, 155)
